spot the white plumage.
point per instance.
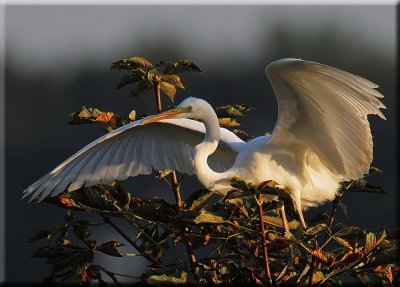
(322, 137)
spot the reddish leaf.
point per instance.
(105, 117)
(67, 202)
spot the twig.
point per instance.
(333, 211)
(129, 240)
(263, 238)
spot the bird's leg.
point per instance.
(259, 201)
(297, 205)
(282, 214)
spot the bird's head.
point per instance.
(190, 108)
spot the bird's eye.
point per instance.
(189, 108)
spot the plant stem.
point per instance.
(264, 240)
(313, 261)
(174, 180)
(175, 190)
(333, 211)
(129, 240)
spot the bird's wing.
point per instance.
(135, 149)
(324, 110)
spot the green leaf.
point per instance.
(351, 233)
(208, 217)
(240, 183)
(373, 170)
(151, 243)
(142, 87)
(132, 64)
(242, 134)
(132, 115)
(82, 232)
(277, 221)
(232, 111)
(127, 80)
(173, 80)
(163, 173)
(167, 279)
(342, 208)
(371, 242)
(180, 67)
(45, 233)
(321, 216)
(197, 198)
(92, 115)
(168, 89)
(316, 229)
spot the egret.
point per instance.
(322, 137)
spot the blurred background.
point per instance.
(58, 59)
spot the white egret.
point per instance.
(322, 137)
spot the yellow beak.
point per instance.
(161, 116)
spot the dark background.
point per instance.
(57, 60)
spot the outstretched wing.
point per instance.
(324, 110)
(135, 149)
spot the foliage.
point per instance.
(222, 236)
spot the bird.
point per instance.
(322, 137)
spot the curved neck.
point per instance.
(204, 173)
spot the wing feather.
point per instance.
(323, 110)
(135, 149)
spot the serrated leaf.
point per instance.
(163, 173)
(168, 89)
(44, 233)
(343, 242)
(142, 88)
(357, 184)
(316, 229)
(105, 117)
(82, 232)
(92, 115)
(374, 169)
(322, 216)
(208, 217)
(342, 208)
(110, 248)
(198, 198)
(132, 64)
(228, 122)
(127, 80)
(180, 67)
(371, 242)
(345, 230)
(386, 272)
(173, 80)
(362, 278)
(228, 112)
(239, 203)
(242, 134)
(317, 277)
(239, 183)
(167, 279)
(277, 221)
